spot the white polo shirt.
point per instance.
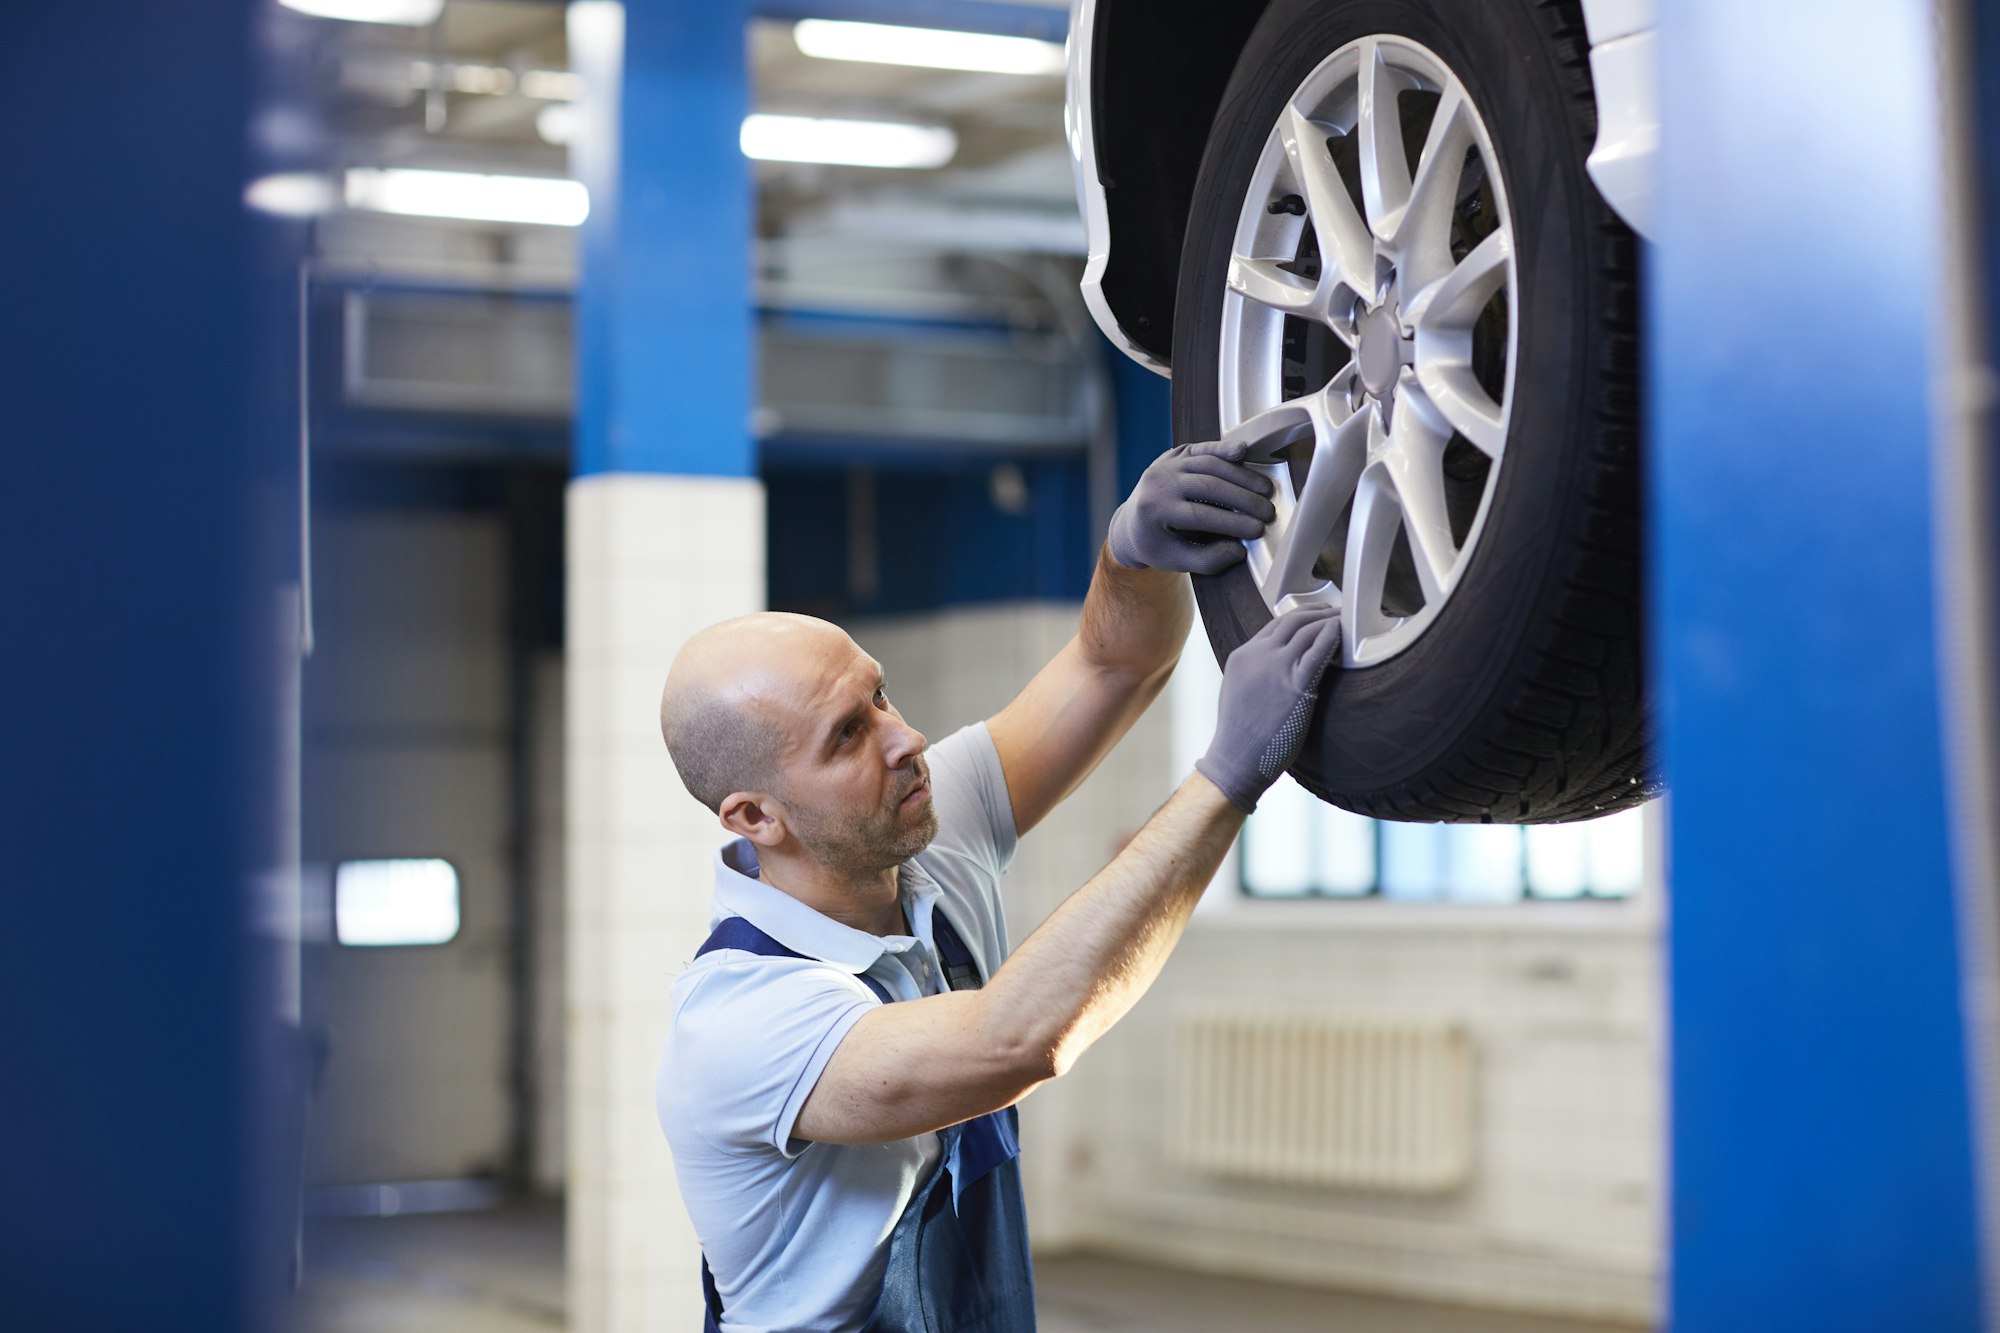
(797, 1233)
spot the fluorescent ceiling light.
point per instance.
(290, 194)
(412, 13)
(935, 48)
(849, 143)
(463, 194)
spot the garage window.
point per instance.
(398, 901)
(1296, 846)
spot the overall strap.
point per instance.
(960, 972)
(736, 932)
(987, 1141)
(711, 1300)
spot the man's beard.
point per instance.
(888, 840)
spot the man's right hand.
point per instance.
(1269, 686)
(1192, 510)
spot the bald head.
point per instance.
(733, 693)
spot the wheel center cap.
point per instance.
(1381, 350)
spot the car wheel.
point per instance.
(1400, 286)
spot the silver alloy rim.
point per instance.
(1386, 438)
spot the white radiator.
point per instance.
(1368, 1102)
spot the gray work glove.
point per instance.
(1191, 510)
(1269, 686)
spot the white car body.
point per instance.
(1622, 67)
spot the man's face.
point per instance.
(854, 782)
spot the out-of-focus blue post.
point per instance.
(1822, 1163)
(140, 654)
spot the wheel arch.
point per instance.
(1158, 70)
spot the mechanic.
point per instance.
(847, 1047)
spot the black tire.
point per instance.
(1526, 700)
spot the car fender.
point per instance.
(1624, 71)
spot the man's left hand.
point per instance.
(1191, 511)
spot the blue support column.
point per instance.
(1822, 1163)
(664, 352)
(665, 536)
(148, 498)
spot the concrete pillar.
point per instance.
(665, 535)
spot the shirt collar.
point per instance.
(738, 892)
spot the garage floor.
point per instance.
(501, 1272)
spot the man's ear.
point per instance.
(753, 815)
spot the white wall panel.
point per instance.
(407, 754)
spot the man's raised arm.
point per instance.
(1188, 515)
(910, 1068)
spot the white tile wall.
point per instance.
(651, 560)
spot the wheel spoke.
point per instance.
(1275, 429)
(1371, 533)
(1385, 171)
(1347, 251)
(1397, 284)
(1262, 281)
(1344, 387)
(1453, 302)
(1415, 468)
(1423, 233)
(1339, 453)
(1451, 395)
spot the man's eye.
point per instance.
(881, 696)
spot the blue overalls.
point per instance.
(958, 1257)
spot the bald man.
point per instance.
(849, 1043)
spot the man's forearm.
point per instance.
(1089, 963)
(1134, 620)
(908, 1068)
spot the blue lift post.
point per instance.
(150, 486)
(1822, 1163)
(663, 345)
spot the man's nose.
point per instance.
(905, 743)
